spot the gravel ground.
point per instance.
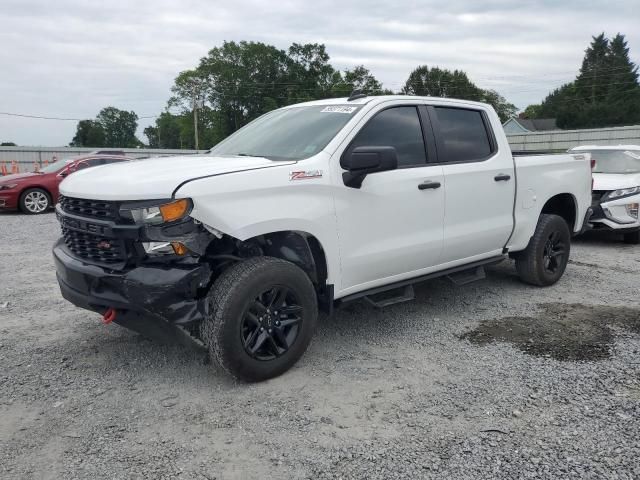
(491, 380)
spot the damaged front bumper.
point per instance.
(163, 301)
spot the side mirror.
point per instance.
(361, 161)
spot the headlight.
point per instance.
(623, 192)
(8, 186)
(166, 212)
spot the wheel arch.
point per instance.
(564, 205)
(300, 248)
(39, 187)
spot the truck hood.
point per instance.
(154, 178)
(615, 181)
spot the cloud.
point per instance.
(70, 58)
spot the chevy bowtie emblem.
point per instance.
(305, 175)
(103, 245)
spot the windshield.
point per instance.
(288, 134)
(615, 161)
(55, 166)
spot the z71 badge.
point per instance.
(305, 175)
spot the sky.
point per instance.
(70, 58)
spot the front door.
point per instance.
(391, 228)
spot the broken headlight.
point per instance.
(149, 214)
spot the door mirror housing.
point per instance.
(362, 161)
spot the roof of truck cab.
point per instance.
(606, 147)
(374, 99)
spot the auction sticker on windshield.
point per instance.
(338, 109)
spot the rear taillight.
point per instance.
(593, 163)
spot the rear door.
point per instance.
(480, 183)
(390, 228)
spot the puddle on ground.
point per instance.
(569, 332)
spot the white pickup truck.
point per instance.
(306, 208)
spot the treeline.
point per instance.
(240, 81)
(605, 93)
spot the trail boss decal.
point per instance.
(305, 175)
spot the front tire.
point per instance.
(34, 201)
(545, 259)
(262, 314)
(632, 238)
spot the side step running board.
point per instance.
(467, 276)
(460, 275)
(408, 294)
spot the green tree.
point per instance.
(503, 108)
(240, 81)
(438, 82)
(360, 78)
(606, 92)
(532, 111)
(89, 133)
(166, 133)
(8, 144)
(119, 127)
(595, 73)
(309, 74)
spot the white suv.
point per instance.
(616, 188)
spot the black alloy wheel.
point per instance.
(554, 252)
(271, 323)
(545, 259)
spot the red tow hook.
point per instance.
(109, 316)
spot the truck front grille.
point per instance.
(101, 209)
(93, 247)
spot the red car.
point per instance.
(37, 191)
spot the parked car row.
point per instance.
(36, 192)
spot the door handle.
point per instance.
(502, 177)
(428, 184)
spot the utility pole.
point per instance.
(195, 117)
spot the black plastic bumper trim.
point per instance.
(157, 297)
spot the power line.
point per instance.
(256, 86)
(41, 117)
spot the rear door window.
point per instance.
(462, 135)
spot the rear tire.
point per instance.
(34, 201)
(262, 314)
(545, 259)
(632, 238)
